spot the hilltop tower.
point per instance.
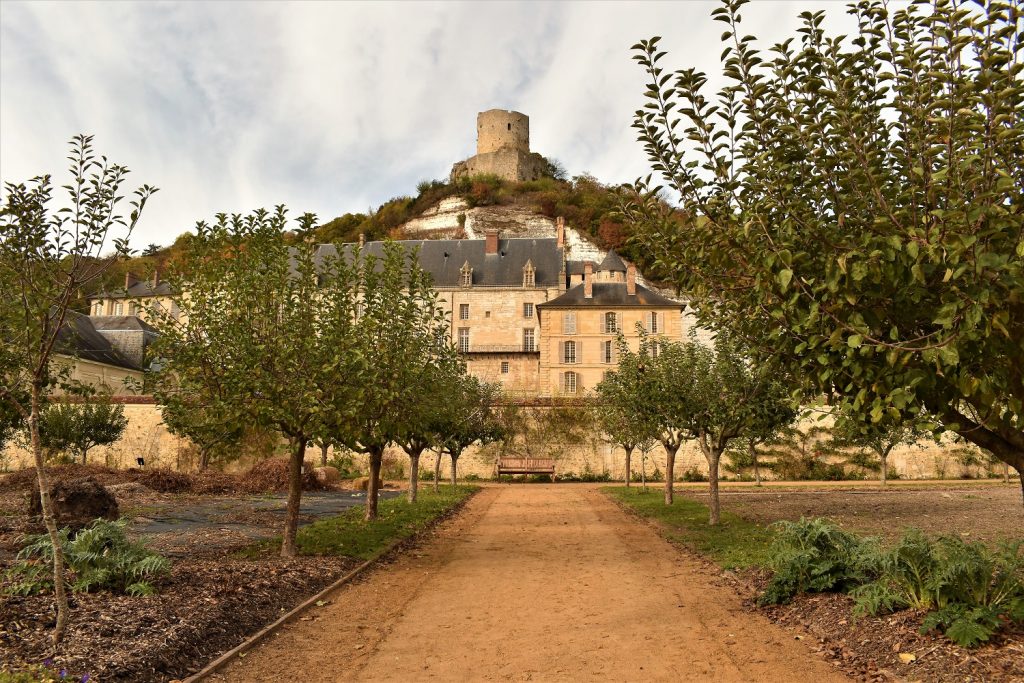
(502, 148)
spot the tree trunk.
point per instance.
(1006, 473)
(629, 452)
(437, 472)
(204, 459)
(884, 457)
(643, 472)
(1020, 475)
(455, 462)
(291, 520)
(713, 456)
(59, 585)
(414, 475)
(323, 454)
(376, 458)
(670, 470)
(757, 470)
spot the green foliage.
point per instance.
(735, 543)
(99, 557)
(857, 206)
(587, 475)
(350, 535)
(693, 474)
(814, 556)
(970, 587)
(70, 430)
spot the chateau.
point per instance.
(525, 312)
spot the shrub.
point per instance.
(693, 474)
(971, 588)
(814, 555)
(100, 556)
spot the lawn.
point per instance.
(349, 535)
(735, 543)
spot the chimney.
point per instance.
(491, 241)
(156, 277)
(560, 231)
(631, 280)
(127, 280)
(362, 240)
(588, 280)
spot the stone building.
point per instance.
(580, 328)
(502, 149)
(127, 301)
(94, 359)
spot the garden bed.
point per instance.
(886, 647)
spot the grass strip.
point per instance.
(733, 544)
(349, 535)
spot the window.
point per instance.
(504, 367)
(611, 323)
(528, 310)
(487, 314)
(529, 340)
(133, 309)
(463, 311)
(608, 351)
(569, 323)
(97, 308)
(466, 275)
(529, 275)
(652, 323)
(569, 382)
(464, 339)
(569, 352)
(655, 349)
(118, 308)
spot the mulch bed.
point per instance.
(204, 608)
(870, 648)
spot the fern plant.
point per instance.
(814, 555)
(100, 556)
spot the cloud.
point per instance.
(332, 107)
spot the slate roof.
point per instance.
(78, 337)
(136, 290)
(612, 263)
(120, 322)
(611, 295)
(444, 259)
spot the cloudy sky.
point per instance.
(333, 107)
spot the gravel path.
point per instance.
(536, 583)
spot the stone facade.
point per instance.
(502, 148)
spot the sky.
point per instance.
(335, 107)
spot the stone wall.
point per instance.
(509, 164)
(499, 129)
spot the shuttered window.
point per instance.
(569, 352)
(569, 323)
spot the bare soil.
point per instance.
(544, 582)
(985, 511)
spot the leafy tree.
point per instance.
(46, 258)
(400, 327)
(151, 250)
(76, 428)
(435, 381)
(856, 207)
(252, 337)
(617, 415)
(880, 438)
(469, 419)
(212, 422)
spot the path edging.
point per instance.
(253, 640)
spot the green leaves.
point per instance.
(868, 194)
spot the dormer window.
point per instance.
(529, 275)
(466, 275)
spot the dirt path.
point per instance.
(536, 583)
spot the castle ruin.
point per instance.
(502, 149)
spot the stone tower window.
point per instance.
(529, 275)
(466, 275)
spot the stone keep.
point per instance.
(502, 148)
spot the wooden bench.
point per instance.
(525, 466)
